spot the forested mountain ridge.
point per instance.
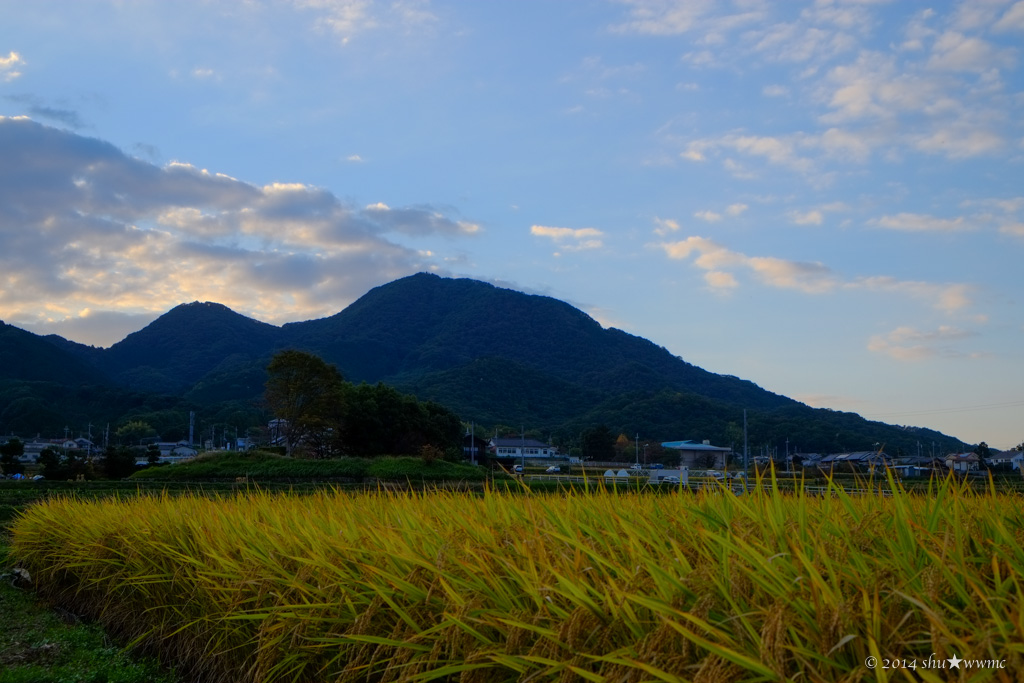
(493, 355)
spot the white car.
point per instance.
(714, 474)
(554, 469)
(518, 469)
(636, 466)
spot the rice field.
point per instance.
(508, 586)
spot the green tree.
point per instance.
(10, 457)
(983, 453)
(308, 395)
(599, 443)
(133, 432)
(118, 462)
(52, 467)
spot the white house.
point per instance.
(520, 448)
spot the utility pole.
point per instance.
(522, 450)
(746, 449)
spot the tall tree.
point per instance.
(10, 456)
(307, 394)
(984, 453)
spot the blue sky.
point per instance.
(825, 197)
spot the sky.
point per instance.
(824, 197)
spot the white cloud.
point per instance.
(813, 217)
(570, 239)
(1015, 229)
(736, 209)
(348, 18)
(1013, 20)
(781, 151)
(807, 277)
(665, 226)
(9, 66)
(959, 142)
(774, 91)
(100, 230)
(910, 344)
(719, 280)
(693, 153)
(955, 51)
(354, 158)
(345, 18)
(662, 17)
(709, 216)
(947, 297)
(919, 222)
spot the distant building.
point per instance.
(475, 448)
(697, 455)
(520, 448)
(962, 462)
(856, 460)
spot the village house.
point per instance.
(698, 455)
(962, 462)
(517, 447)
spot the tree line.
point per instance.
(319, 415)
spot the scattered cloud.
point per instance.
(813, 217)
(736, 209)
(10, 67)
(665, 226)
(83, 224)
(954, 51)
(774, 91)
(919, 222)
(570, 239)
(348, 18)
(354, 158)
(807, 277)
(37, 108)
(709, 216)
(910, 344)
(662, 18)
(1012, 20)
(946, 297)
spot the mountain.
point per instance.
(493, 355)
(29, 357)
(185, 344)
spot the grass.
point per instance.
(40, 645)
(599, 586)
(261, 466)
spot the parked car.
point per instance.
(671, 480)
(656, 466)
(636, 466)
(554, 469)
(737, 475)
(518, 469)
(714, 474)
